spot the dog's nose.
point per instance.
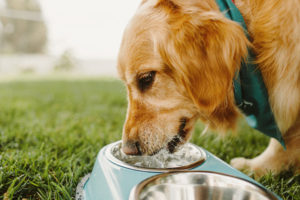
(131, 148)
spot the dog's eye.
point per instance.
(145, 80)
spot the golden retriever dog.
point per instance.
(178, 60)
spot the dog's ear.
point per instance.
(204, 51)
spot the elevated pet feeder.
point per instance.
(196, 174)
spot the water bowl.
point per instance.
(115, 174)
(187, 157)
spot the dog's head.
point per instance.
(178, 59)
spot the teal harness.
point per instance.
(251, 95)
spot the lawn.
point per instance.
(51, 132)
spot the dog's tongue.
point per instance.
(186, 155)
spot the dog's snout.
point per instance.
(131, 148)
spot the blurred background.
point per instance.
(67, 37)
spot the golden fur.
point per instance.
(195, 52)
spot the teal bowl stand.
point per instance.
(110, 181)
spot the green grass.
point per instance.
(51, 132)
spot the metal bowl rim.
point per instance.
(114, 160)
(138, 188)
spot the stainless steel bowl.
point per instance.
(194, 185)
(194, 150)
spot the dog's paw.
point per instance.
(250, 167)
(240, 163)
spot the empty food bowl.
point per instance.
(198, 185)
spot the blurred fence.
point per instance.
(40, 64)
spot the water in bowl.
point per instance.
(185, 155)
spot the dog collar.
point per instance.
(251, 95)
